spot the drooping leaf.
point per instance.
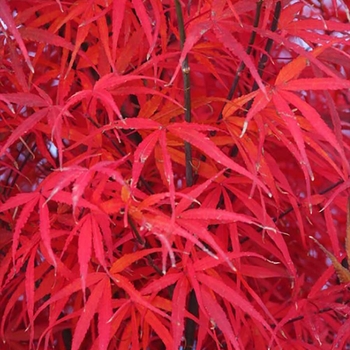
(342, 187)
(178, 310)
(290, 45)
(23, 128)
(260, 102)
(73, 287)
(159, 328)
(218, 315)
(84, 251)
(218, 7)
(145, 22)
(6, 17)
(45, 36)
(87, 314)
(347, 239)
(194, 193)
(195, 32)
(103, 30)
(168, 171)
(104, 316)
(203, 143)
(332, 232)
(136, 297)
(143, 151)
(45, 229)
(311, 114)
(233, 297)
(11, 301)
(201, 232)
(286, 113)
(97, 241)
(118, 12)
(24, 99)
(161, 283)
(237, 49)
(30, 201)
(29, 288)
(82, 32)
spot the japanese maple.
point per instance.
(174, 174)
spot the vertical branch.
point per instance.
(190, 327)
(187, 93)
(276, 16)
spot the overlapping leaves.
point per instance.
(100, 235)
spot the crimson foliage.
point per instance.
(163, 167)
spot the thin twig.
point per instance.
(290, 209)
(268, 46)
(13, 177)
(329, 188)
(301, 317)
(144, 244)
(242, 64)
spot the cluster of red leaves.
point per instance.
(112, 236)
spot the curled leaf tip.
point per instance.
(245, 127)
(30, 66)
(11, 108)
(60, 5)
(273, 262)
(232, 267)
(321, 210)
